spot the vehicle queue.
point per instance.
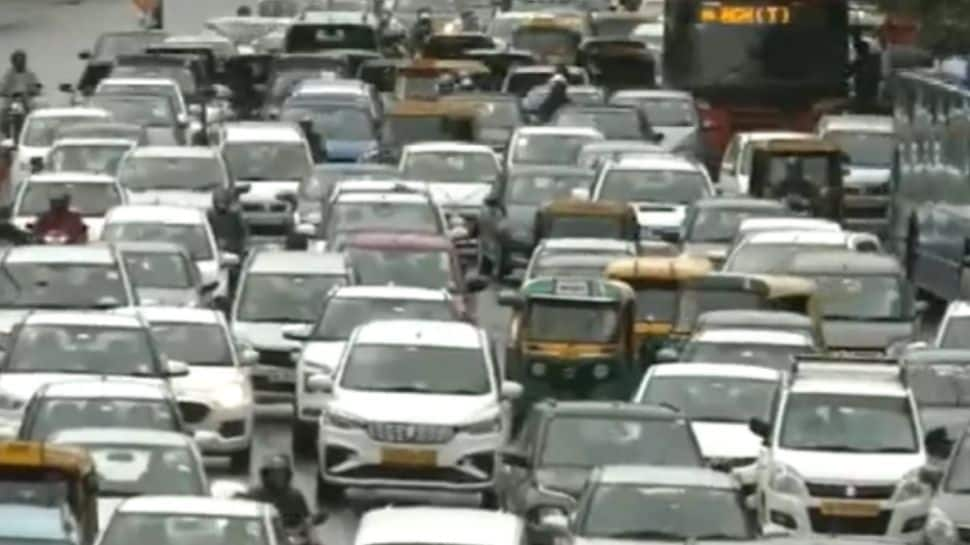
(307, 205)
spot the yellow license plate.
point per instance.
(852, 509)
(408, 458)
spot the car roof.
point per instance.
(66, 177)
(851, 380)
(756, 318)
(559, 131)
(420, 332)
(88, 318)
(176, 152)
(753, 336)
(453, 147)
(930, 356)
(655, 162)
(601, 409)
(79, 141)
(431, 525)
(193, 505)
(390, 292)
(76, 111)
(121, 436)
(620, 145)
(727, 370)
(762, 136)
(153, 213)
(398, 240)
(652, 93)
(378, 197)
(958, 309)
(262, 131)
(848, 261)
(297, 262)
(787, 223)
(150, 247)
(668, 476)
(559, 259)
(106, 388)
(579, 243)
(833, 238)
(858, 123)
(550, 170)
(187, 315)
(146, 81)
(740, 202)
(97, 254)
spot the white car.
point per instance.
(845, 451)
(436, 525)
(94, 155)
(164, 274)
(279, 289)
(174, 175)
(415, 404)
(92, 196)
(750, 226)
(745, 346)
(549, 145)
(216, 396)
(720, 400)
(341, 312)
(660, 188)
(954, 328)
(764, 252)
(186, 226)
(38, 133)
(155, 87)
(735, 171)
(52, 346)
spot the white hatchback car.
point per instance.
(435, 525)
(416, 405)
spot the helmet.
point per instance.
(276, 471)
(244, 11)
(20, 55)
(221, 199)
(60, 197)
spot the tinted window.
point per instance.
(87, 199)
(589, 441)
(848, 423)
(195, 344)
(175, 173)
(284, 297)
(192, 237)
(57, 414)
(81, 349)
(419, 369)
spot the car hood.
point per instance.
(455, 194)
(203, 381)
(570, 480)
(861, 176)
(94, 224)
(348, 150)
(863, 468)
(263, 191)
(955, 506)
(263, 335)
(162, 136)
(323, 354)
(726, 439)
(862, 335)
(660, 215)
(954, 419)
(172, 197)
(167, 297)
(446, 410)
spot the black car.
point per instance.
(561, 442)
(506, 225)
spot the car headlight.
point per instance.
(343, 420)
(940, 530)
(232, 396)
(785, 481)
(538, 369)
(911, 488)
(491, 425)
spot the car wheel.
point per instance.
(239, 461)
(304, 439)
(327, 493)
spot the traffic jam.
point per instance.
(524, 272)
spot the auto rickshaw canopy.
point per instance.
(636, 270)
(75, 462)
(599, 290)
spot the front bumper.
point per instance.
(814, 515)
(352, 457)
(232, 425)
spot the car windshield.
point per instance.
(692, 302)
(537, 189)
(201, 174)
(333, 122)
(572, 321)
(587, 441)
(848, 423)
(196, 344)
(61, 285)
(420, 269)
(155, 529)
(343, 314)
(413, 6)
(157, 270)
(419, 369)
(267, 161)
(192, 237)
(622, 124)
(40, 131)
(168, 92)
(102, 159)
(383, 216)
(81, 349)
(134, 470)
(668, 186)
(772, 258)
(773, 356)
(940, 384)
(549, 149)
(861, 297)
(286, 298)
(956, 333)
(88, 199)
(52, 415)
(865, 149)
(669, 513)
(111, 46)
(545, 40)
(459, 167)
(714, 399)
(720, 225)
(663, 112)
(141, 110)
(285, 81)
(657, 304)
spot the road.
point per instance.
(52, 32)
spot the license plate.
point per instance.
(851, 509)
(408, 458)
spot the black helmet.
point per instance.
(221, 198)
(277, 470)
(244, 11)
(18, 54)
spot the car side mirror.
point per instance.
(657, 137)
(195, 110)
(205, 439)
(511, 299)
(8, 144)
(320, 383)
(287, 196)
(760, 428)
(84, 55)
(667, 355)
(222, 303)
(511, 391)
(228, 259)
(175, 368)
(515, 458)
(931, 475)
(227, 490)
(554, 521)
(580, 193)
(208, 287)
(296, 332)
(670, 237)
(710, 125)
(260, 88)
(36, 164)
(248, 357)
(66, 88)
(242, 189)
(317, 519)
(920, 308)
(182, 120)
(221, 92)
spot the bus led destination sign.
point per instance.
(745, 15)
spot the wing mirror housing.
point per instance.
(475, 283)
(287, 196)
(195, 110)
(36, 164)
(66, 88)
(296, 332)
(667, 355)
(580, 193)
(242, 189)
(760, 428)
(248, 357)
(84, 55)
(228, 259)
(320, 383)
(515, 458)
(175, 368)
(8, 144)
(305, 229)
(227, 490)
(511, 298)
(931, 475)
(511, 391)
(938, 443)
(205, 439)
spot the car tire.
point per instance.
(327, 493)
(239, 461)
(304, 439)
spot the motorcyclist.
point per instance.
(421, 30)
(866, 74)
(10, 233)
(230, 229)
(313, 139)
(557, 97)
(18, 80)
(59, 218)
(275, 487)
(795, 189)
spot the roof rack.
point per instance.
(873, 368)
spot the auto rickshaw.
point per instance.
(616, 64)
(806, 174)
(33, 472)
(553, 40)
(570, 218)
(410, 121)
(656, 282)
(499, 62)
(420, 79)
(571, 338)
(795, 294)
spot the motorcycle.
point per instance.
(17, 110)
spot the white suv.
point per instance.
(416, 404)
(844, 454)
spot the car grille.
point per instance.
(265, 207)
(192, 412)
(878, 492)
(825, 524)
(388, 432)
(275, 358)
